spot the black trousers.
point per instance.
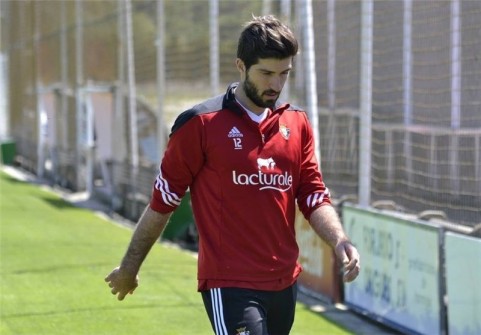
(238, 311)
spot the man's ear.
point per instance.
(241, 67)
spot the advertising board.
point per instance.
(399, 281)
(318, 262)
(463, 283)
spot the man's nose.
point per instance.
(276, 83)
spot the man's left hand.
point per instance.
(349, 257)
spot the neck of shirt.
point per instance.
(255, 117)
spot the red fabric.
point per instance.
(244, 179)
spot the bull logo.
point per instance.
(268, 163)
(285, 132)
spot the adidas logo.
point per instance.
(234, 132)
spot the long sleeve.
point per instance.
(312, 192)
(182, 160)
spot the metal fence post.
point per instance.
(331, 58)
(40, 112)
(407, 84)
(134, 146)
(310, 70)
(456, 75)
(214, 45)
(64, 75)
(161, 129)
(79, 82)
(365, 131)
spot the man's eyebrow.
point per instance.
(270, 71)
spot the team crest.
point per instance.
(242, 331)
(285, 132)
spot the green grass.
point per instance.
(54, 258)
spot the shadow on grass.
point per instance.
(58, 203)
(351, 325)
(60, 267)
(77, 204)
(80, 205)
(9, 179)
(323, 315)
(121, 306)
(51, 200)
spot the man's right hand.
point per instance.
(122, 283)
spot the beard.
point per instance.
(253, 94)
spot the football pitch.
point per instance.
(53, 260)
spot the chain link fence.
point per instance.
(76, 67)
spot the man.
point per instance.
(247, 159)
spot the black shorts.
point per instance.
(239, 311)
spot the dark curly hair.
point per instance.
(265, 37)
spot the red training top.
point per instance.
(244, 178)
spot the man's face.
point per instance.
(264, 81)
